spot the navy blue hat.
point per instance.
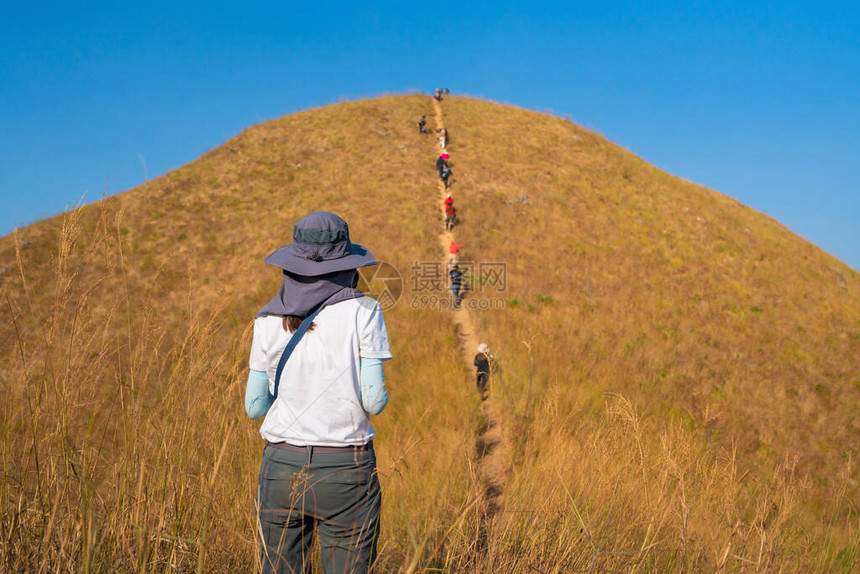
(320, 245)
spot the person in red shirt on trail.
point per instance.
(454, 252)
(449, 200)
(450, 214)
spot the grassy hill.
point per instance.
(650, 305)
(679, 383)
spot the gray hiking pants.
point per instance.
(337, 492)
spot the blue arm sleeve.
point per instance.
(374, 397)
(257, 397)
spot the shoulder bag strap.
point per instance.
(291, 345)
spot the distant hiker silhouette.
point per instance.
(450, 215)
(446, 91)
(454, 252)
(445, 174)
(441, 162)
(483, 363)
(438, 95)
(443, 136)
(421, 125)
(319, 466)
(456, 280)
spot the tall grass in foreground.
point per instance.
(614, 491)
(124, 445)
(120, 445)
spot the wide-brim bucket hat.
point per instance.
(320, 245)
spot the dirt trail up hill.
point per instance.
(490, 447)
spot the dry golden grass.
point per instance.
(693, 370)
(125, 340)
(715, 323)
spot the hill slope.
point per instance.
(661, 289)
(125, 332)
(623, 279)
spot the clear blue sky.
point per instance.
(758, 100)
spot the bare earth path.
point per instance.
(489, 446)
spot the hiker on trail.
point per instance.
(456, 280)
(445, 174)
(450, 215)
(446, 91)
(438, 95)
(443, 136)
(454, 252)
(441, 162)
(483, 362)
(449, 200)
(316, 375)
(421, 125)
